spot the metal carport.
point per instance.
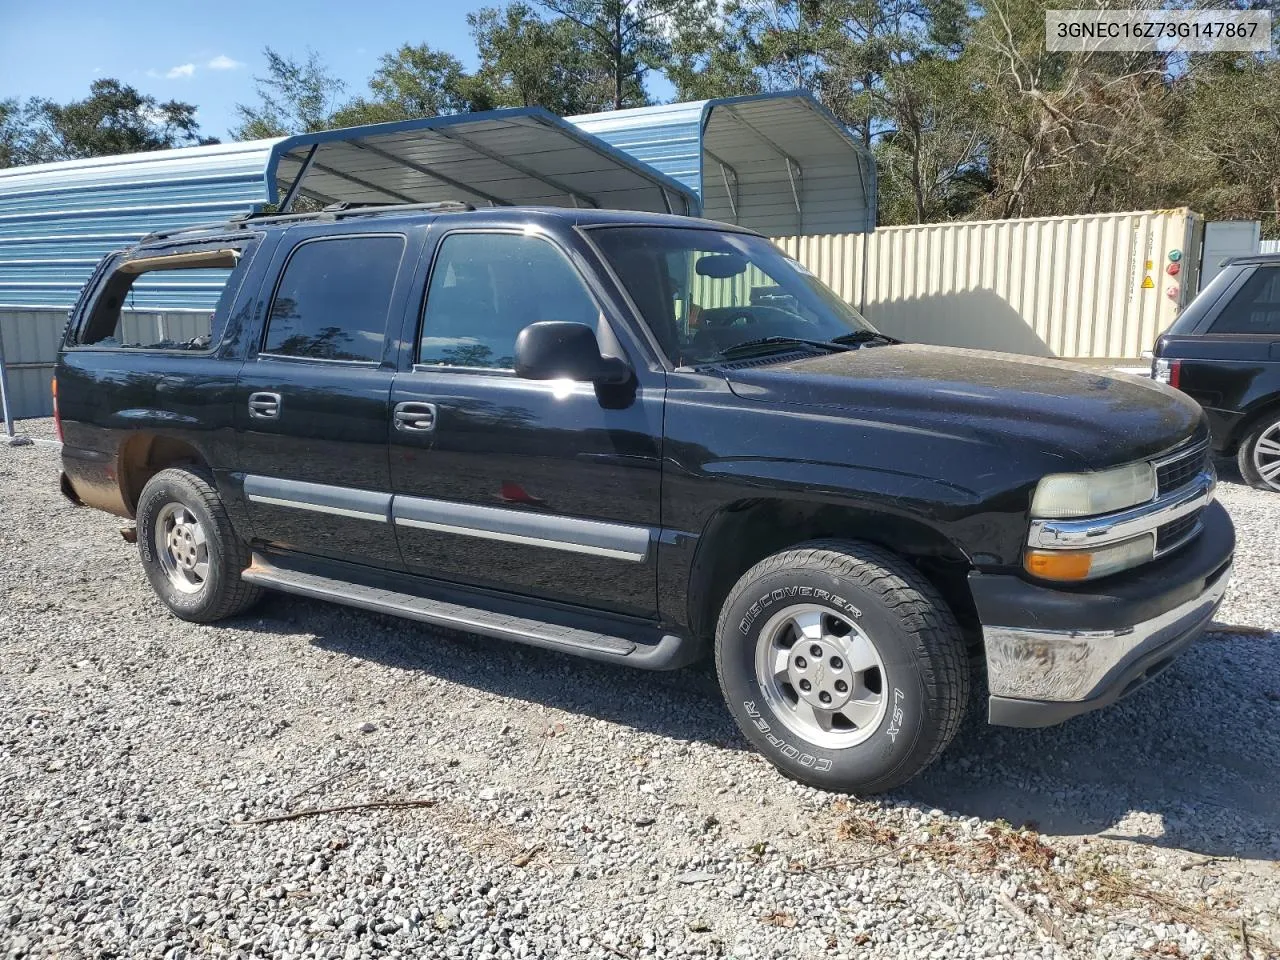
(503, 157)
(779, 163)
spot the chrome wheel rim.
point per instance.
(182, 547)
(1266, 456)
(821, 675)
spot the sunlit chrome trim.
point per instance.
(1088, 532)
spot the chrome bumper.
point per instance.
(1040, 677)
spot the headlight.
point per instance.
(1063, 495)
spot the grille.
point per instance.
(1173, 474)
(1172, 533)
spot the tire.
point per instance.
(189, 549)
(873, 623)
(1259, 453)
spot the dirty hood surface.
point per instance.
(1068, 411)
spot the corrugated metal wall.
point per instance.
(1092, 287)
(58, 219)
(30, 340)
(1269, 246)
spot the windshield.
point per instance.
(703, 292)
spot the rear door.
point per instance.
(1231, 363)
(548, 489)
(312, 403)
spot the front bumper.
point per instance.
(1053, 653)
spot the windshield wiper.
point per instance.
(864, 336)
(750, 346)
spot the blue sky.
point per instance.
(207, 54)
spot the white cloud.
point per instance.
(223, 62)
(181, 71)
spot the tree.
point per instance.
(526, 61)
(1229, 141)
(294, 97)
(1065, 132)
(415, 81)
(12, 134)
(623, 39)
(115, 118)
(712, 55)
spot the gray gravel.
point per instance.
(577, 810)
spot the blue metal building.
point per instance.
(779, 164)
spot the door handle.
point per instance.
(264, 406)
(413, 417)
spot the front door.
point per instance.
(549, 489)
(312, 403)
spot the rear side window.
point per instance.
(333, 298)
(1256, 307)
(175, 299)
(487, 287)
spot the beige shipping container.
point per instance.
(1092, 287)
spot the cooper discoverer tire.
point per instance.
(842, 665)
(1259, 454)
(189, 549)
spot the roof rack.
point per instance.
(334, 211)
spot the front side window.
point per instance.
(333, 298)
(175, 299)
(703, 292)
(487, 287)
(1256, 307)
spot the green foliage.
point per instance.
(968, 114)
(294, 97)
(114, 118)
(526, 61)
(622, 40)
(415, 81)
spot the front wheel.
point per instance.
(842, 665)
(1259, 455)
(189, 549)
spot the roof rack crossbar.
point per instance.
(245, 221)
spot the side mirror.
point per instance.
(558, 350)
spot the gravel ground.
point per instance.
(563, 808)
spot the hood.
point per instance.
(1066, 412)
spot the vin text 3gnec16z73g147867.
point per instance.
(646, 439)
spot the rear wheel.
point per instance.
(842, 665)
(1259, 454)
(189, 549)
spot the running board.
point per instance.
(666, 652)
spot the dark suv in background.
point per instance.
(1224, 352)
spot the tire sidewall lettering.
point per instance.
(779, 594)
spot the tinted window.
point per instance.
(1256, 307)
(487, 287)
(703, 292)
(333, 298)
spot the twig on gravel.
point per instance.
(523, 859)
(1204, 862)
(325, 782)
(1244, 938)
(318, 811)
(1030, 921)
(614, 950)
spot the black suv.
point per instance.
(1224, 352)
(644, 439)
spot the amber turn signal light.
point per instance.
(1059, 564)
